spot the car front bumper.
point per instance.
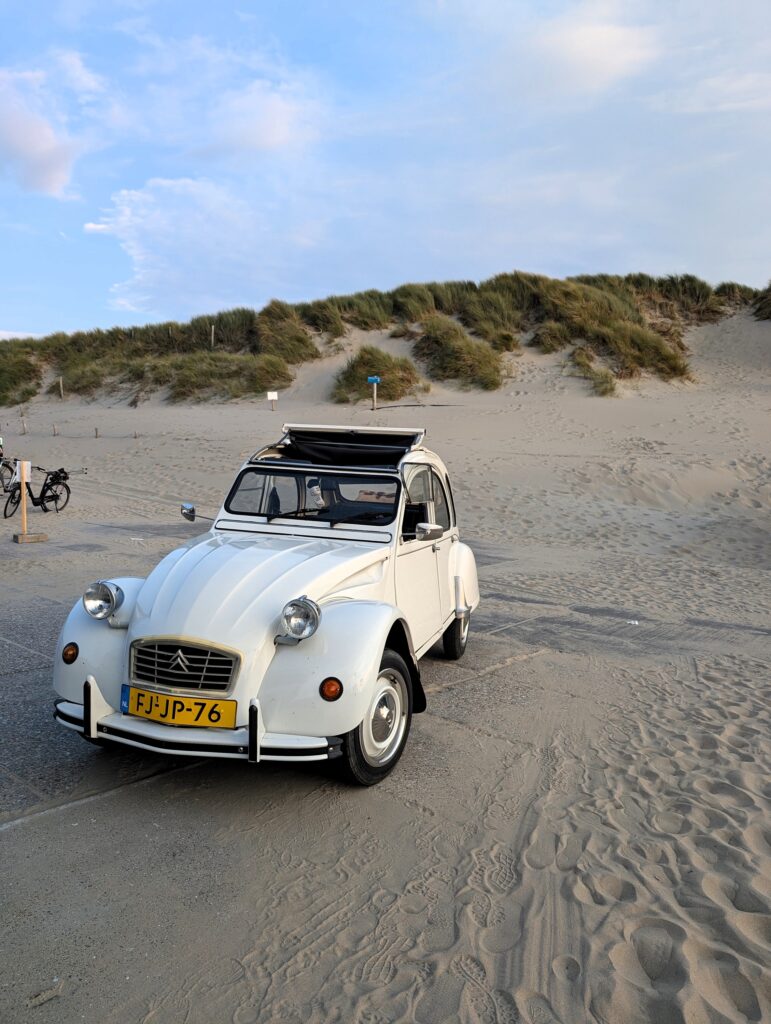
(96, 720)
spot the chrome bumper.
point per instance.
(246, 743)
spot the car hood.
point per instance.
(231, 590)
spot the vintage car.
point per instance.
(293, 629)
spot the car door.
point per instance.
(417, 583)
(443, 547)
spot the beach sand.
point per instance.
(579, 829)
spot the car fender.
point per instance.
(102, 648)
(349, 645)
(464, 571)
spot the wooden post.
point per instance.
(56, 430)
(24, 537)
(273, 398)
(23, 470)
(96, 431)
(61, 388)
(374, 397)
(212, 335)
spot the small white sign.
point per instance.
(273, 396)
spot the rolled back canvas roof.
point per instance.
(349, 446)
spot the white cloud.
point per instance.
(77, 76)
(176, 232)
(219, 101)
(264, 116)
(591, 49)
(731, 92)
(36, 150)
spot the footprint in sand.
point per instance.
(504, 928)
(542, 849)
(718, 978)
(566, 969)
(440, 1000)
(463, 992)
(656, 943)
(535, 1008)
(571, 848)
(441, 931)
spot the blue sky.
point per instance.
(161, 159)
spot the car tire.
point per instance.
(372, 749)
(455, 638)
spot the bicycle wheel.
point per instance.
(55, 497)
(5, 476)
(14, 498)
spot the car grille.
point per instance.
(185, 666)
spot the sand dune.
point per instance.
(580, 829)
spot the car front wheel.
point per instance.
(371, 750)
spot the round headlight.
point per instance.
(101, 599)
(300, 618)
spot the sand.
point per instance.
(579, 829)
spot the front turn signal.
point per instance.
(331, 689)
(70, 653)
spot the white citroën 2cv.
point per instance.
(293, 629)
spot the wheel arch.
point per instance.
(399, 640)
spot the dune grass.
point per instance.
(762, 307)
(400, 376)
(602, 380)
(634, 323)
(450, 354)
(201, 375)
(551, 336)
(19, 375)
(323, 316)
(371, 311)
(735, 294)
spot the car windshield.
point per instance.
(318, 496)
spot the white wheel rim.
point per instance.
(383, 727)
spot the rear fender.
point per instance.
(464, 571)
(349, 646)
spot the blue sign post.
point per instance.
(374, 381)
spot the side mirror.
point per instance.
(428, 531)
(188, 511)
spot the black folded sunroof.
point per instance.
(342, 447)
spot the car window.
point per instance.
(418, 484)
(282, 494)
(309, 495)
(441, 507)
(419, 507)
(250, 494)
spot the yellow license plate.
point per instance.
(174, 710)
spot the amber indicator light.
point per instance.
(331, 689)
(70, 653)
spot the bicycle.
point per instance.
(7, 473)
(54, 493)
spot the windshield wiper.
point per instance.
(360, 517)
(301, 513)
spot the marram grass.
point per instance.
(632, 323)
